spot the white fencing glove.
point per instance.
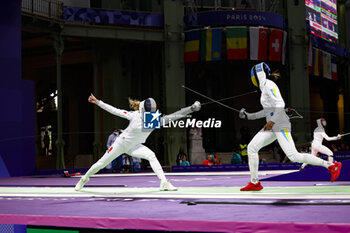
(243, 114)
(196, 106)
(338, 137)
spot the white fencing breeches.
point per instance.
(315, 148)
(285, 140)
(143, 152)
(118, 148)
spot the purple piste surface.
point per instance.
(170, 209)
(166, 214)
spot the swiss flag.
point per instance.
(275, 47)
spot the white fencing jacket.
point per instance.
(135, 133)
(320, 134)
(272, 103)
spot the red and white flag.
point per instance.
(275, 47)
(258, 43)
(334, 68)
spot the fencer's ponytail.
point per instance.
(134, 104)
(275, 75)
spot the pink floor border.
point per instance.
(171, 224)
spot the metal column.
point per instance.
(299, 78)
(97, 145)
(59, 46)
(342, 29)
(174, 74)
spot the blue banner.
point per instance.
(17, 98)
(338, 156)
(235, 167)
(329, 46)
(222, 18)
(116, 17)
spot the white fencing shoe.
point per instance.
(167, 186)
(81, 183)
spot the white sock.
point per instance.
(330, 158)
(157, 168)
(253, 167)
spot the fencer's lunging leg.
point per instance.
(315, 148)
(326, 151)
(107, 158)
(143, 152)
(287, 144)
(113, 152)
(314, 151)
(261, 139)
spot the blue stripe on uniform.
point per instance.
(273, 92)
(284, 132)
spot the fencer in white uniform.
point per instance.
(131, 139)
(319, 135)
(278, 127)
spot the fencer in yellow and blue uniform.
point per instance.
(278, 126)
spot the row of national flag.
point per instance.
(264, 44)
(322, 64)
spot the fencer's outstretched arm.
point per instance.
(251, 116)
(325, 136)
(109, 108)
(183, 112)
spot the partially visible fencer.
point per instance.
(316, 145)
(278, 127)
(131, 139)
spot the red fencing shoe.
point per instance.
(252, 187)
(76, 174)
(335, 170)
(66, 174)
